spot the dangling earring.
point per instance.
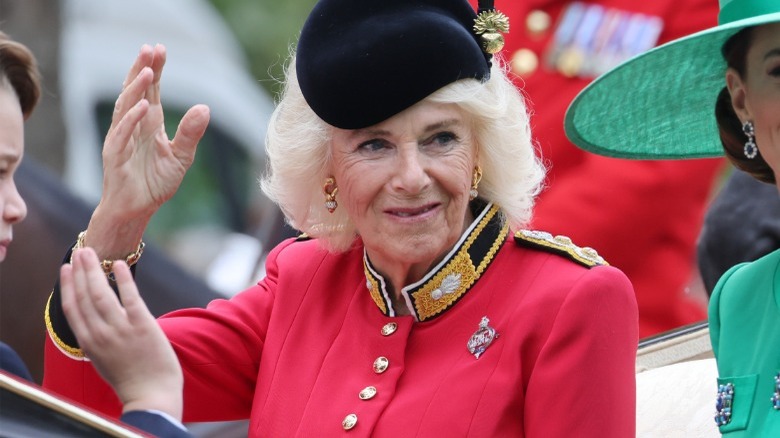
(475, 179)
(750, 150)
(330, 190)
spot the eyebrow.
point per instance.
(383, 132)
(442, 124)
(771, 53)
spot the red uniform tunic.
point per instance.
(315, 341)
(642, 216)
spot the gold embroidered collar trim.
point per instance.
(448, 281)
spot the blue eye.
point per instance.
(372, 145)
(446, 137)
(442, 138)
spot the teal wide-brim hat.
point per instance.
(661, 104)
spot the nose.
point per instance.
(14, 208)
(411, 175)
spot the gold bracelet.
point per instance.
(108, 265)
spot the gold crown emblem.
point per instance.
(490, 25)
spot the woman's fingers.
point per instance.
(142, 81)
(158, 62)
(119, 138)
(144, 59)
(191, 129)
(130, 96)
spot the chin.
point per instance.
(423, 249)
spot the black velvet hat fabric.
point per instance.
(360, 62)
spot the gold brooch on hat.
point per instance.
(491, 25)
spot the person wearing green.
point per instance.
(659, 105)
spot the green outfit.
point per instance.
(744, 315)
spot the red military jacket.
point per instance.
(314, 350)
(642, 216)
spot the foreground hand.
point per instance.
(125, 344)
(142, 168)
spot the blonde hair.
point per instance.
(298, 148)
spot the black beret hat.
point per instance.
(360, 62)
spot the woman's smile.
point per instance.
(416, 214)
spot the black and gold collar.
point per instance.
(448, 281)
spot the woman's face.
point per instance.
(756, 97)
(405, 183)
(12, 207)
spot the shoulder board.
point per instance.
(560, 245)
(303, 237)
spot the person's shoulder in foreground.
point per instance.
(743, 330)
(12, 363)
(156, 423)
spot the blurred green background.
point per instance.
(267, 30)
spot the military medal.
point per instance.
(591, 39)
(482, 338)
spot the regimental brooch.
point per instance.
(482, 338)
(490, 26)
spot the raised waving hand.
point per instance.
(142, 167)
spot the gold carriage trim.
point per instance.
(560, 245)
(74, 352)
(457, 275)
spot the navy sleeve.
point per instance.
(154, 424)
(12, 363)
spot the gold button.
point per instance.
(367, 393)
(380, 364)
(537, 21)
(389, 328)
(524, 61)
(349, 421)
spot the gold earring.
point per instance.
(330, 190)
(475, 179)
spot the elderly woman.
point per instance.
(675, 122)
(403, 152)
(19, 93)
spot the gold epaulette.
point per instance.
(560, 245)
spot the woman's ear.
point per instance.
(736, 86)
